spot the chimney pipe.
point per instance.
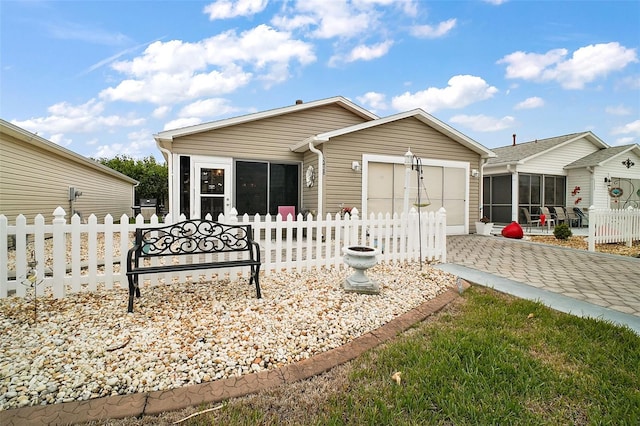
(514, 139)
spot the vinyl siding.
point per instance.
(343, 185)
(269, 138)
(553, 162)
(583, 179)
(34, 181)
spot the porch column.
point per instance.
(515, 195)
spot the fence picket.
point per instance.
(613, 226)
(301, 244)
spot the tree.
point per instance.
(153, 177)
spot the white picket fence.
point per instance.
(613, 226)
(73, 257)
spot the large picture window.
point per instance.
(262, 186)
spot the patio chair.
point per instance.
(573, 219)
(549, 218)
(561, 215)
(584, 219)
(528, 218)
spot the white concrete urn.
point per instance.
(360, 258)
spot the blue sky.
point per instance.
(101, 77)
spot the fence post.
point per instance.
(356, 228)
(592, 228)
(441, 234)
(59, 252)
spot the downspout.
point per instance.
(170, 174)
(316, 151)
(481, 195)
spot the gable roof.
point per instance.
(419, 114)
(525, 151)
(27, 137)
(169, 135)
(598, 158)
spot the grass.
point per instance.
(488, 358)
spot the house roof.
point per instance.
(598, 158)
(416, 113)
(33, 139)
(522, 152)
(169, 135)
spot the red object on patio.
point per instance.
(513, 230)
(543, 219)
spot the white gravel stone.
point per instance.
(87, 345)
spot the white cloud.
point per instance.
(373, 101)
(222, 9)
(207, 108)
(629, 128)
(495, 2)
(177, 71)
(363, 53)
(585, 65)
(625, 141)
(59, 139)
(530, 103)
(327, 19)
(462, 90)
(483, 123)
(618, 110)
(139, 144)
(182, 122)
(530, 66)
(85, 118)
(629, 83)
(161, 111)
(429, 31)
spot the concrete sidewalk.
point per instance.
(574, 281)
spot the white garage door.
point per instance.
(444, 184)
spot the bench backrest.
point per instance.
(193, 237)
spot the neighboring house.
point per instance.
(322, 156)
(37, 176)
(575, 170)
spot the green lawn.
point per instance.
(486, 359)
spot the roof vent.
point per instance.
(298, 101)
(514, 139)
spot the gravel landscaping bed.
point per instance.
(87, 346)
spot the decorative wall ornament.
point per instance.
(628, 163)
(615, 192)
(310, 176)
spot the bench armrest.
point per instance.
(255, 249)
(130, 260)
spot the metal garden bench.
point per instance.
(191, 238)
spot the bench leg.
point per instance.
(255, 276)
(133, 289)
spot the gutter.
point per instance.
(316, 151)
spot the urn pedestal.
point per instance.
(360, 258)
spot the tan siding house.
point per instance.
(36, 176)
(322, 156)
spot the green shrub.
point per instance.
(562, 231)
